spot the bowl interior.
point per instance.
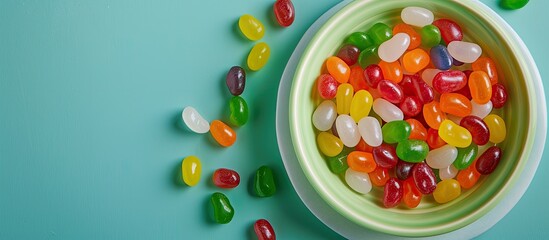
(479, 25)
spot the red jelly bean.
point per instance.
(349, 54)
(412, 195)
(393, 192)
(449, 30)
(423, 91)
(363, 146)
(379, 176)
(407, 85)
(403, 169)
(411, 106)
(357, 79)
(488, 161)
(424, 178)
(390, 91)
(385, 155)
(284, 12)
(465, 90)
(373, 75)
(327, 86)
(226, 178)
(264, 230)
(433, 139)
(478, 129)
(499, 95)
(449, 81)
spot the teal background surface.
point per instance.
(91, 94)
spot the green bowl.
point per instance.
(517, 72)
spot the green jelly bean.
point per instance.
(430, 36)
(338, 164)
(264, 184)
(513, 4)
(239, 111)
(437, 175)
(359, 40)
(223, 211)
(368, 56)
(413, 151)
(380, 33)
(396, 131)
(466, 156)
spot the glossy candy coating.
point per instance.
(488, 66)
(361, 161)
(392, 193)
(258, 57)
(430, 36)
(412, 196)
(466, 156)
(412, 150)
(433, 139)
(449, 30)
(390, 91)
(387, 111)
(329, 144)
(440, 57)
(447, 190)
(392, 49)
(415, 60)
(239, 111)
(262, 228)
(499, 95)
(338, 164)
(236, 80)
(373, 75)
(223, 134)
(361, 105)
(338, 69)
(264, 183)
(480, 87)
(370, 130)
(422, 90)
(251, 27)
(396, 131)
(466, 52)
(284, 12)
(325, 115)
(455, 104)
(433, 114)
(363, 146)
(349, 54)
(424, 178)
(415, 38)
(327, 86)
(368, 56)
(429, 74)
(468, 177)
(449, 81)
(418, 131)
(496, 126)
(358, 181)
(385, 156)
(194, 121)
(489, 160)
(411, 106)
(448, 172)
(347, 130)
(344, 97)
(380, 33)
(441, 157)
(478, 129)
(379, 176)
(454, 134)
(223, 211)
(357, 79)
(359, 39)
(391, 71)
(403, 169)
(191, 168)
(513, 4)
(417, 16)
(226, 178)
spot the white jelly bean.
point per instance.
(387, 111)
(392, 49)
(481, 110)
(370, 130)
(347, 130)
(325, 115)
(417, 16)
(429, 74)
(465, 52)
(194, 121)
(454, 118)
(442, 157)
(448, 172)
(358, 181)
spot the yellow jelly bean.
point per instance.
(190, 170)
(251, 27)
(258, 57)
(361, 105)
(454, 134)
(329, 144)
(447, 190)
(496, 125)
(344, 97)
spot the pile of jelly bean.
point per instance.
(225, 136)
(432, 96)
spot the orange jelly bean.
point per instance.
(415, 60)
(480, 87)
(222, 133)
(415, 38)
(357, 79)
(363, 146)
(455, 104)
(468, 177)
(488, 66)
(419, 132)
(361, 161)
(433, 114)
(391, 71)
(379, 176)
(338, 69)
(412, 195)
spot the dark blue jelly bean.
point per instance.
(441, 57)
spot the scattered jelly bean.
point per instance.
(223, 134)
(415, 38)
(496, 126)
(415, 60)
(441, 157)
(465, 52)
(392, 193)
(448, 172)
(325, 115)
(392, 49)
(499, 95)
(417, 16)
(433, 139)
(373, 75)
(412, 150)
(361, 161)
(379, 176)
(424, 178)
(468, 177)
(455, 104)
(424, 92)
(412, 196)
(387, 111)
(385, 156)
(478, 129)
(251, 27)
(222, 209)
(449, 81)
(194, 121)
(481, 110)
(407, 85)
(465, 156)
(284, 12)
(226, 178)
(338, 164)
(370, 130)
(447, 190)
(489, 160)
(411, 106)
(480, 87)
(329, 144)
(454, 134)
(391, 71)
(338, 69)
(433, 114)
(418, 131)
(264, 183)
(236, 80)
(327, 86)
(403, 169)
(429, 74)
(430, 36)
(358, 181)
(262, 228)
(441, 57)
(347, 130)
(239, 111)
(191, 168)
(349, 54)
(361, 105)
(357, 79)
(368, 56)
(390, 91)
(359, 39)
(344, 97)
(258, 57)
(513, 4)
(488, 66)
(380, 33)
(449, 30)
(396, 131)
